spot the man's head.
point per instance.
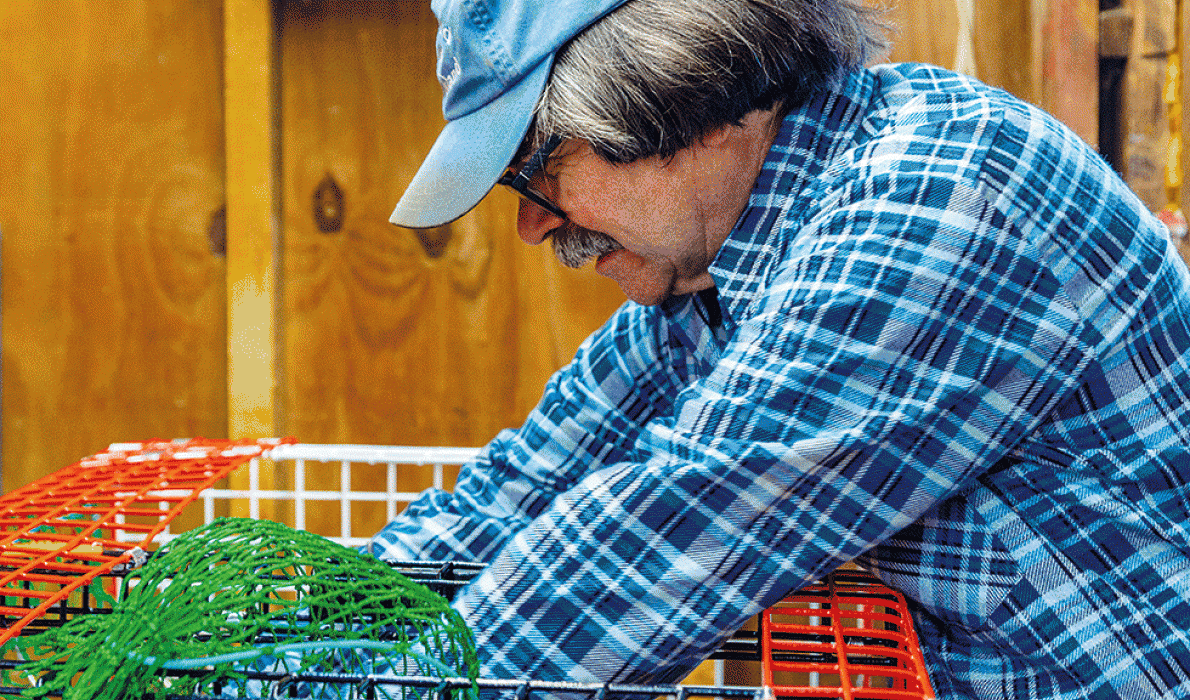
(635, 90)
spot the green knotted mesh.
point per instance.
(238, 596)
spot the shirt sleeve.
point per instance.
(909, 339)
(590, 414)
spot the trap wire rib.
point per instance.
(62, 531)
(850, 634)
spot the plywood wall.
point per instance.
(1043, 52)
(115, 306)
(434, 337)
(112, 177)
(444, 337)
(395, 336)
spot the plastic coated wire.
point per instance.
(239, 596)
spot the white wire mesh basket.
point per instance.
(846, 637)
(323, 488)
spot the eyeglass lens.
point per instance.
(519, 180)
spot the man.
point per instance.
(885, 315)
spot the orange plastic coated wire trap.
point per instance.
(849, 636)
(62, 531)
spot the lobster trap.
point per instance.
(70, 541)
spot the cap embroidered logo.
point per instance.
(448, 64)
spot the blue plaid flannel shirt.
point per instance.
(954, 347)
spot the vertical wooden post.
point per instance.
(1067, 63)
(1183, 31)
(1144, 123)
(250, 109)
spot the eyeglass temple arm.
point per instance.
(536, 162)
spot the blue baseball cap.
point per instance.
(494, 58)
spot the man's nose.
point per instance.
(534, 223)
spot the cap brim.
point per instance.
(470, 155)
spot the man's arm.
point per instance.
(886, 366)
(590, 415)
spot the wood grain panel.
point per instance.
(390, 340)
(1043, 51)
(250, 108)
(1145, 129)
(1005, 43)
(1066, 56)
(1183, 32)
(113, 319)
(925, 31)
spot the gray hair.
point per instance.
(655, 76)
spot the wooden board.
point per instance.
(1183, 20)
(115, 323)
(391, 337)
(1155, 28)
(113, 318)
(250, 108)
(1043, 51)
(1144, 126)
(925, 31)
(1066, 70)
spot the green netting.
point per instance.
(242, 595)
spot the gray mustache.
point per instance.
(575, 246)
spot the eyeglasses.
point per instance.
(519, 180)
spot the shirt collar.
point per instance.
(809, 138)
